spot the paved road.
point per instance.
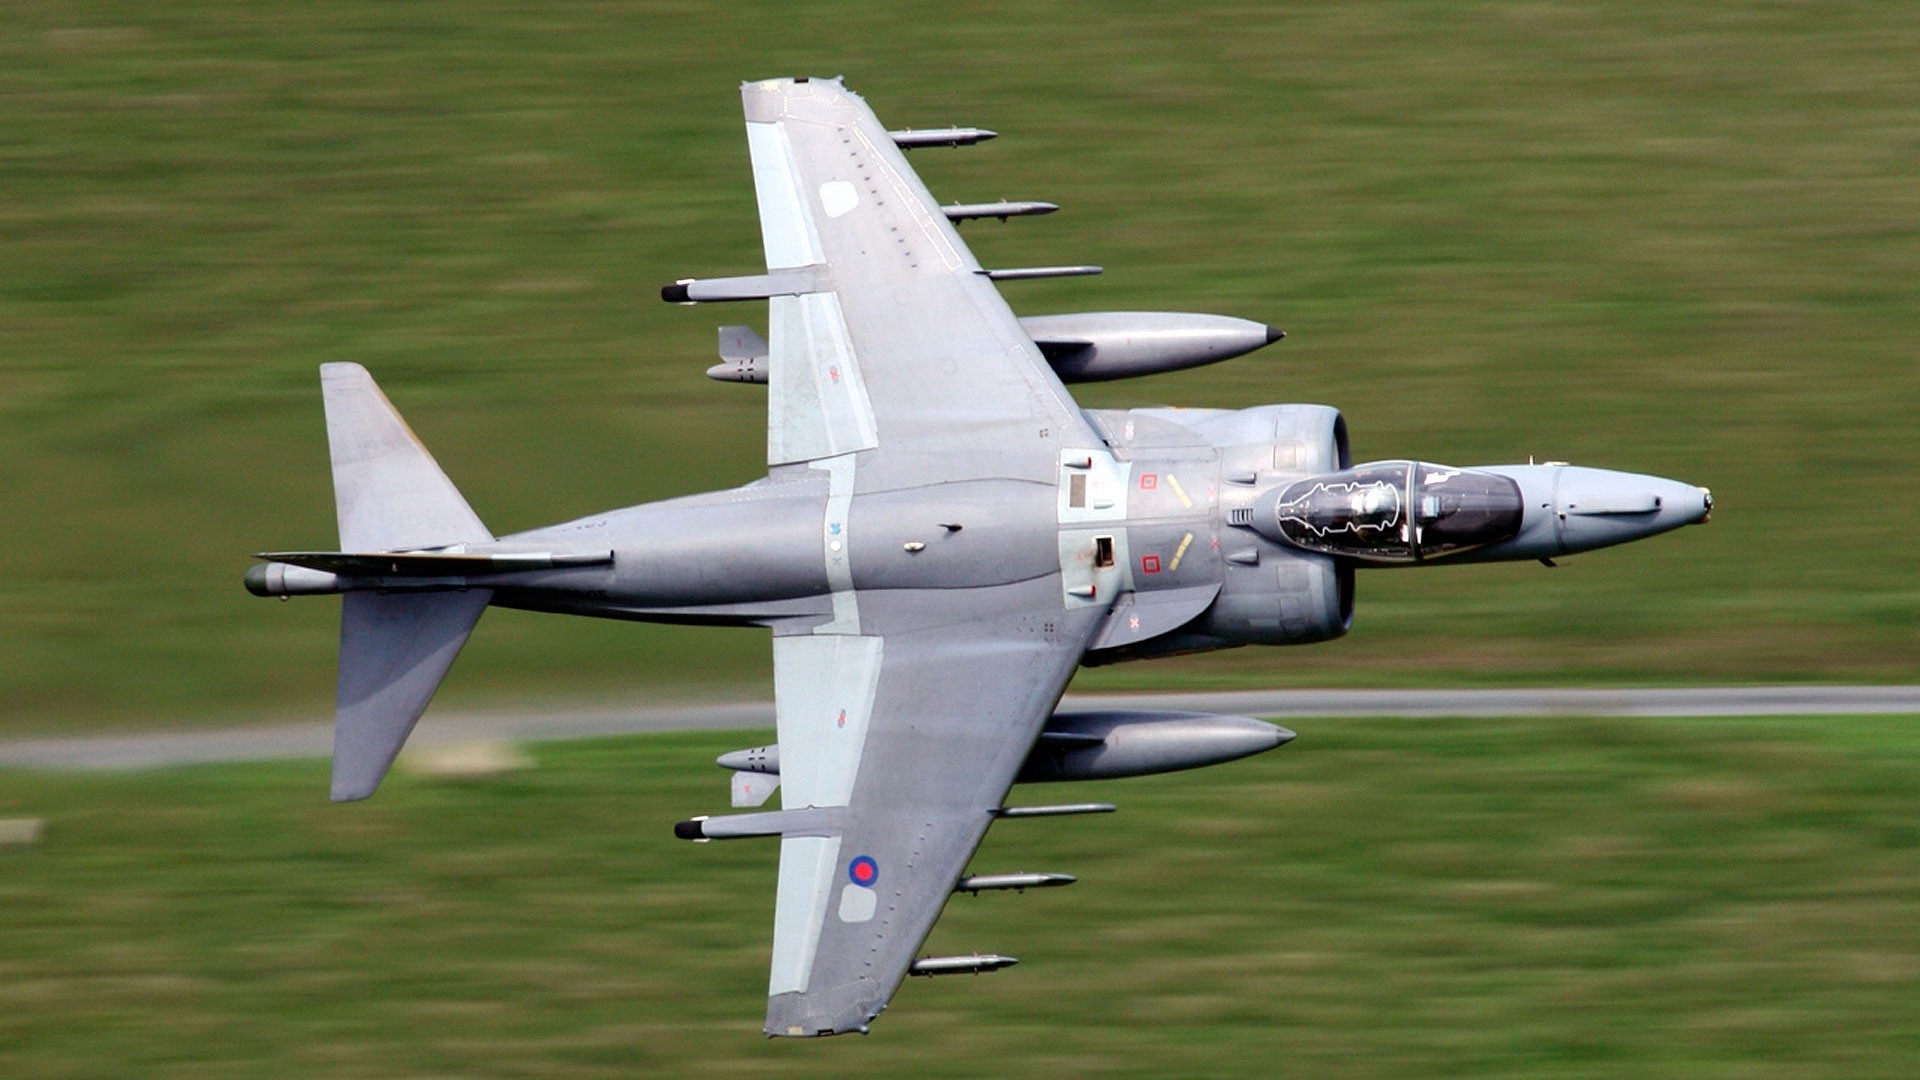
(315, 739)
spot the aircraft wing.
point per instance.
(895, 367)
(897, 749)
(883, 330)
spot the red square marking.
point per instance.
(1149, 481)
(1150, 564)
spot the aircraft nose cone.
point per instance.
(1598, 507)
(1683, 504)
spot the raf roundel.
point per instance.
(863, 871)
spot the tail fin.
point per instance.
(394, 650)
(388, 492)
(390, 495)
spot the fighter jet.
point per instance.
(942, 538)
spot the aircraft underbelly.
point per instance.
(958, 535)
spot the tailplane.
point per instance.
(395, 647)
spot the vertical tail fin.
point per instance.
(390, 495)
(394, 650)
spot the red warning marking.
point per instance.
(1150, 564)
(841, 721)
(1149, 481)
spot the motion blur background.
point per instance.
(1676, 239)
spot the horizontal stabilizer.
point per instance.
(394, 650)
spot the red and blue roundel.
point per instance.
(863, 871)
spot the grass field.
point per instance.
(1674, 239)
(1383, 898)
(1677, 239)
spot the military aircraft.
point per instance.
(942, 537)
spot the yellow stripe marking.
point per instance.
(1174, 482)
(1184, 541)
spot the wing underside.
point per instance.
(895, 366)
(917, 734)
(884, 332)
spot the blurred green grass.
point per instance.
(1567, 897)
(1672, 239)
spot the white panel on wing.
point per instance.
(823, 691)
(838, 197)
(808, 867)
(786, 224)
(858, 903)
(817, 404)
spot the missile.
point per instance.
(1029, 273)
(1057, 810)
(759, 759)
(909, 139)
(978, 883)
(1001, 210)
(960, 965)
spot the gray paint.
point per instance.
(942, 537)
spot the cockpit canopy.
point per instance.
(1394, 512)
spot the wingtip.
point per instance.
(352, 791)
(338, 370)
